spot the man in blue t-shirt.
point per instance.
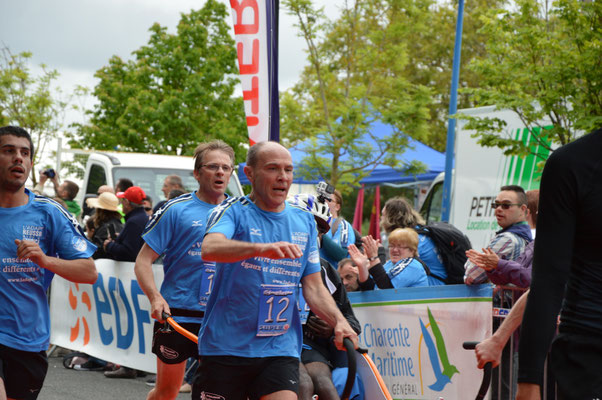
(38, 239)
(176, 230)
(341, 231)
(264, 247)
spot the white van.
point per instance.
(145, 170)
(479, 174)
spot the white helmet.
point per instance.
(319, 209)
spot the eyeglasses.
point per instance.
(216, 167)
(504, 206)
(147, 208)
(393, 246)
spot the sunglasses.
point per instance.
(147, 208)
(504, 206)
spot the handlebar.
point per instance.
(351, 368)
(486, 372)
(178, 328)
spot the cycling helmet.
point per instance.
(319, 209)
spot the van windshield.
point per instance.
(151, 180)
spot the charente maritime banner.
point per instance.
(414, 337)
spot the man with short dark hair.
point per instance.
(510, 207)
(251, 337)
(66, 191)
(349, 275)
(128, 243)
(176, 231)
(35, 230)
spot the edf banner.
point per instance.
(414, 337)
(109, 320)
(256, 36)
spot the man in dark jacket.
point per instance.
(129, 242)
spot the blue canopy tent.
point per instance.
(416, 151)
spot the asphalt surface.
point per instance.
(68, 384)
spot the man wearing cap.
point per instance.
(129, 242)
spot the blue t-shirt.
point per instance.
(252, 310)
(344, 236)
(406, 273)
(176, 230)
(427, 251)
(24, 313)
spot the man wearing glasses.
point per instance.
(176, 230)
(510, 207)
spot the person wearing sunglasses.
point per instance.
(510, 207)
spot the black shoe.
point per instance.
(121, 372)
(151, 381)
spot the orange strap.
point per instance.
(187, 334)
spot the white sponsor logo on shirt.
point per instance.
(255, 232)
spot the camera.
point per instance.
(324, 191)
(49, 173)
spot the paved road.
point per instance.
(68, 384)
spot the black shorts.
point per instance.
(23, 372)
(324, 351)
(575, 360)
(173, 348)
(236, 378)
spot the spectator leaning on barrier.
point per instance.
(510, 212)
(403, 269)
(501, 271)
(35, 230)
(128, 243)
(398, 213)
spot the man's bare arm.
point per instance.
(81, 270)
(490, 350)
(146, 279)
(216, 247)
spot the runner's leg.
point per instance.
(281, 395)
(306, 386)
(169, 381)
(322, 378)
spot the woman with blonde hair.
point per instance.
(403, 269)
(398, 213)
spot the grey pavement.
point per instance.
(68, 384)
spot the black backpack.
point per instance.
(452, 245)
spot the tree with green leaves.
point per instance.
(29, 101)
(544, 63)
(176, 92)
(354, 78)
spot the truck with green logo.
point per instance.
(480, 171)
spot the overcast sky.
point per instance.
(77, 37)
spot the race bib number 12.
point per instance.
(276, 305)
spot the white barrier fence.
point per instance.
(109, 320)
(413, 335)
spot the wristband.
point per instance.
(372, 258)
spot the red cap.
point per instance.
(135, 194)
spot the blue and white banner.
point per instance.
(256, 36)
(415, 335)
(109, 320)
